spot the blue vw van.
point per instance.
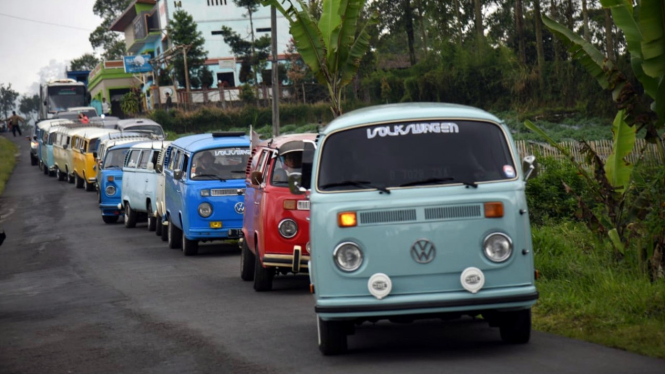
(204, 186)
(43, 131)
(109, 178)
(418, 211)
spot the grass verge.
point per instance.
(7, 161)
(586, 295)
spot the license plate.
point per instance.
(215, 225)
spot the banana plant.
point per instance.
(331, 47)
(644, 28)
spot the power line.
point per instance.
(45, 23)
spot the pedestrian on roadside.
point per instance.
(106, 108)
(13, 123)
(168, 101)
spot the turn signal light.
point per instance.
(493, 210)
(110, 178)
(347, 219)
(536, 274)
(290, 204)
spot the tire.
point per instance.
(70, 177)
(262, 276)
(87, 186)
(78, 182)
(152, 220)
(158, 225)
(42, 167)
(174, 236)
(59, 175)
(247, 260)
(189, 247)
(332, 337)
(33, 160)
(130, 216)
(110, 219)
(165, 232)
(515, 326)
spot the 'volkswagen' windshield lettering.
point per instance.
(232, 152)
(414, 128)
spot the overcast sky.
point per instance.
(29, 48)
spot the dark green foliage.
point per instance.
(183, 32)
(253, 55)
(102, 37)
(547, 198)
(247, 94)
(86, 62)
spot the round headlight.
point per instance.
(288, 228)
(348, 256)
(309, 248)
(498, 247)
(110, 190)
(205, 210)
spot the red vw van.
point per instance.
(276, 222)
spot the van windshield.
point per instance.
(285, 165)
(414, 154)
(220, 163)
(115, 158)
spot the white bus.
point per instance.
(59, 94)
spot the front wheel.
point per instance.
(158, 225)
(332, 337)
(130, 216)
(174, 235)
(59, 175)
(262, 276)
(515, 326)
(78, 182)
(87, 185)
(247, 260)
(33, 160)
(165, 231)
(152, 226)
(189, 247)
(110, 219)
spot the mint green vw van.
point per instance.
(418, 211)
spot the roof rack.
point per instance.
(227, 134)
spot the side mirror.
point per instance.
(94, 154)
(159, 168)
(256, 177)
(150, 166)
(177, 174)
(295, 184)
(45, 104)
(529, 167)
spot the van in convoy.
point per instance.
(204, 187)
(275, 225)
(139, 183)
(109, 176)
(418, 211)
(42, 132)
(84, 148)
(160, 203)
(141, 125)
(62, 153)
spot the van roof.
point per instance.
(152, 144)
(53, 122)
(408, 112)
(278, 142)
(136, 121)
(199, 142)
(121, 144)
(92, 132)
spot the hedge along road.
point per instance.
(80, 296)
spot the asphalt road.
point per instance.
(80, 296)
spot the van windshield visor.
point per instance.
(220, 163)
(115, 158)
(62, 97)
(415, 154)
(285, 165)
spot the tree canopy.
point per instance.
(86, 62)
(102, 38)
(183, 32)
(7, 99)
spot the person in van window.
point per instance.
(290, 163)
(205, 165)
(83, 118)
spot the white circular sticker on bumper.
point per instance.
(379, 285)
(472, 279)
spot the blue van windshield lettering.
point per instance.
(221, 163)
(413, 154)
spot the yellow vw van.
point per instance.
(83, 147)
(62, 155)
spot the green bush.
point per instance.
(546, 196)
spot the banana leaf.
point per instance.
(652, 25)
(617, 169)
(330, 20)
(352, 61)
(590, 57)
(346, 31)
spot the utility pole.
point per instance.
(275, 75)
(184, 57)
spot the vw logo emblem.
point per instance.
(423, 251)
(239, 208)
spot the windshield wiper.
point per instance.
(361, 184)
(438, 180)
(211, 176)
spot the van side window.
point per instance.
(262, 159)
(174, 156)
(185, 160)
(155, 158)
(133, 158)
(143, 160)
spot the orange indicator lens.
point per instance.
(493, 210)
(347, 219)
(290, 204)
(110, 178)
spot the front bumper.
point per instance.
(214, 234)
(297, 261)
(460, 301)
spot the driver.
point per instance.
(206, 164)
(292, 162)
